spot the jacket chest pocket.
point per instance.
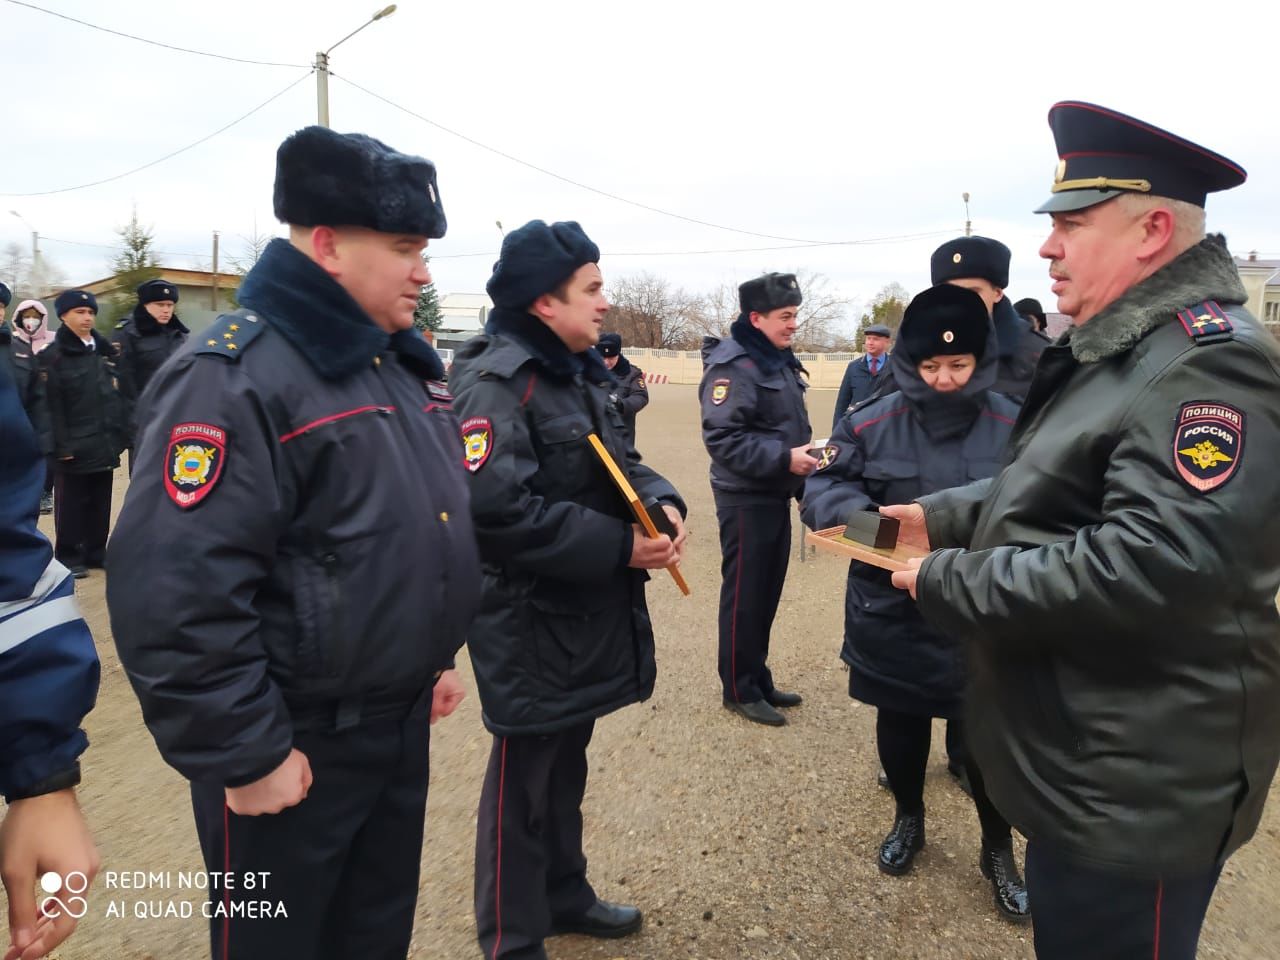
(564, 453)
(891, 480)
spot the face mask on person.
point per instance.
(31, 324)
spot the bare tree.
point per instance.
(648, 312)
(16, 271)
(15, 268)
(713, 312)
(823, 316)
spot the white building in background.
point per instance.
(462, 316)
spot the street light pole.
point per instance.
(322, 88)
(968, 224)
(35, 253)
(322, 66)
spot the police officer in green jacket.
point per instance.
(1117, 580)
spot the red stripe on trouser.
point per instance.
(497, 872)
(226, 872)
(1159, 898)
(733, 630)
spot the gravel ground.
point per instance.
(737, 841)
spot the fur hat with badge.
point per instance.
(153, 291)
(352, 180)
(610, 345)
(70, 299)
(773, 291)
(971, 257)
(536, 259)
(945, 320)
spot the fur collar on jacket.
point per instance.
(69, 344)
(766, 356)
(1204, 272)
(545, 347)
(146, 325)
(316, 314)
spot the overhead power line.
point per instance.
(586, 186)
(154, 43)
(901, 238)
(116, 246)
(167, 156)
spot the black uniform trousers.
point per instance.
(344, 862)
(902, 740)
(81, 517)
(1085, 911)
(755, 546)
(530, 868)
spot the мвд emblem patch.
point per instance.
(1208, 443)
(193, 463)
(719, 392)
(829, 454)
(477, 442)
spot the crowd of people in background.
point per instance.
(79, 390)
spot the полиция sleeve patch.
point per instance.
(1208, 444)
(477, 442)
(193, 462)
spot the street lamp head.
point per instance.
(385, 12)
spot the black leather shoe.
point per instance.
(602, 919)
(961, 776)
(80, 572)
(999, 866)
(780, 698)
(757, 711)
(904, 841)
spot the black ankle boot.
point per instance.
(999, 866)
(904, 841)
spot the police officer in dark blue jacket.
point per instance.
(943, 426)
(295, 566)
(48, 682)
(563, 636)
(756, 428)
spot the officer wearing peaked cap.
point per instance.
(1116, 581)
(295, 566)
(145, 339)
(756, 428)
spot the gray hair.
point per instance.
(1188, 219)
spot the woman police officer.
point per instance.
(942, 427)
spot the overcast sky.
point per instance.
(807, 121)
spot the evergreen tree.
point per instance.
(133, 264)
(426, 316)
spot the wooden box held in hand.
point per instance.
(873, 529)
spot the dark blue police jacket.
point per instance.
(296, 546)
(892, 450)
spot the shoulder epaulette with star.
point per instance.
(1206, 323)
(230, 334)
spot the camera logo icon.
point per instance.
(71, 886)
